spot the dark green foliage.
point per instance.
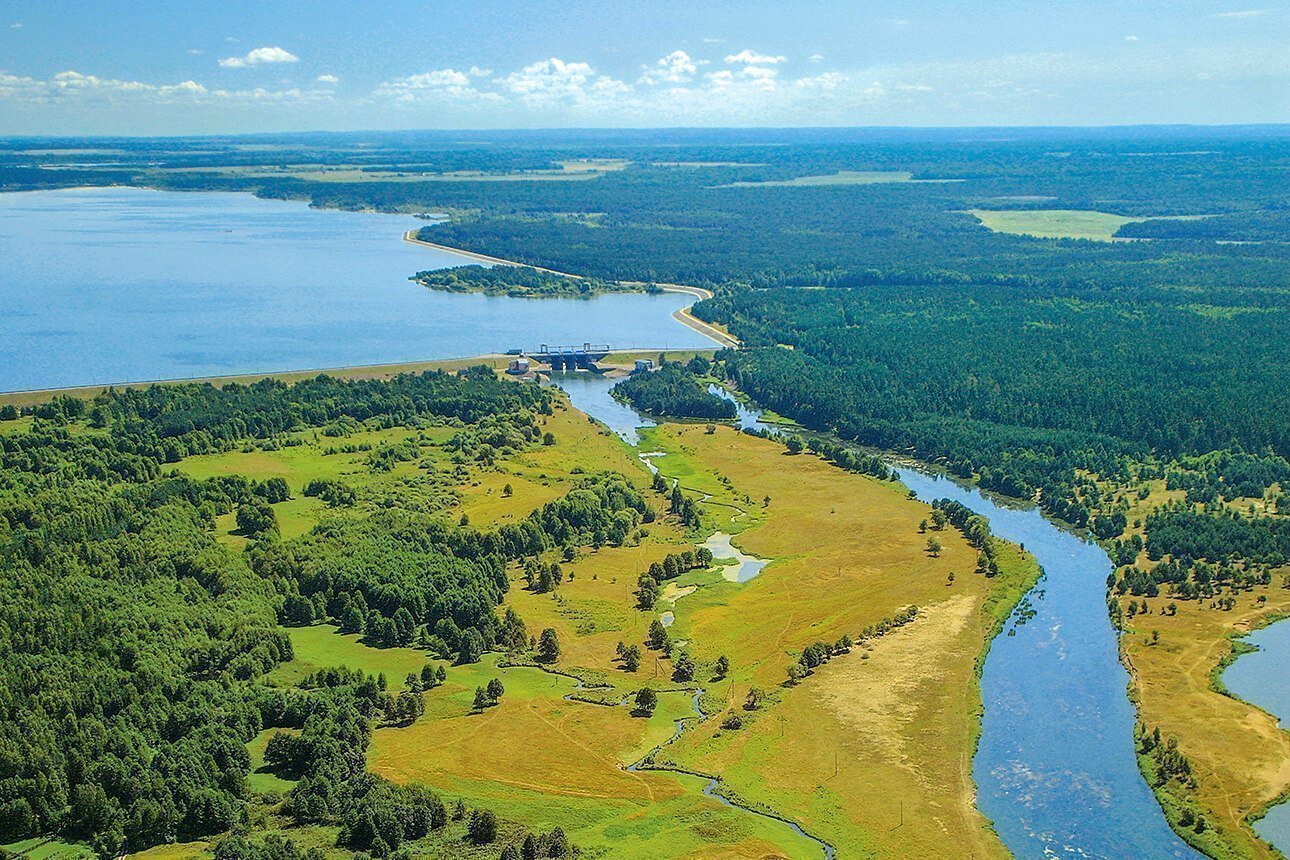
(646, 701)
(255, 518)
(516, 281)
(334, 493)
(673, 391)
(482, 828)
(272, 848)
(1181, 531)
(134, 643)
(548, 646)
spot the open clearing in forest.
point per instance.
(1054, 223)
(321, 647)
(1062, 223)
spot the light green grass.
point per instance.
(545, 761)
(262, 779)
(1054, 223)
(42, 848)
(321, 647)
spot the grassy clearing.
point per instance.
(1240, 756)
(866, 739)
(262, 779)
(43, 848)
(1054, 223)
(321, 647)
(175, 851)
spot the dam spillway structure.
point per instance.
(584, 357)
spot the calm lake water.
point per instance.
(1260, 677)
(121, 284)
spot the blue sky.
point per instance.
(144, 67)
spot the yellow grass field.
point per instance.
(868, 739)
(898, 725)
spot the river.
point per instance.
(1055, 769)
(124, 284)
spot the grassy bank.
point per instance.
(873, 752)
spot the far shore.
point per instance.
(495, 360)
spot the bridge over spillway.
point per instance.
(582, 357)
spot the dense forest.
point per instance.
(135, 644)
(673, 391)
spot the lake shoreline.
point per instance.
(681, 315)
(495, 360)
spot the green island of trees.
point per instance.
(521, 282)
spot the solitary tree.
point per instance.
(722, 666)
(548, 646)
(646, 702)
(934, 547)
(495, 690)
(481, 699)
(483, 827)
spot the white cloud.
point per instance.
(713, 41)
(196, 51)
(477, 72)
(817, 58)
(435, 85)
(676, 68)
(258, 57)
(753, 58)
(554, 80)
(1130, 38)
(1243, 13)
(828, 81)
(16, 25)
(327, 79)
